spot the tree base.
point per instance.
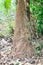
(22, 48)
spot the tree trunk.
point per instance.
(22, 36)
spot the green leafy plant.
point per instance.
(16, 63)
(37, 11)
(7, 4)
(38, 48)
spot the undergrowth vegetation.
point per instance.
(36, 8)
(7, 29)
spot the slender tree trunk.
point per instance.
(22, 36)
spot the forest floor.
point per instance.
(6, 57)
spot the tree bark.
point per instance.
(22, 44)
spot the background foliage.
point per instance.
(8, 10)
(36, 8)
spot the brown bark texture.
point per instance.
(21, 41)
